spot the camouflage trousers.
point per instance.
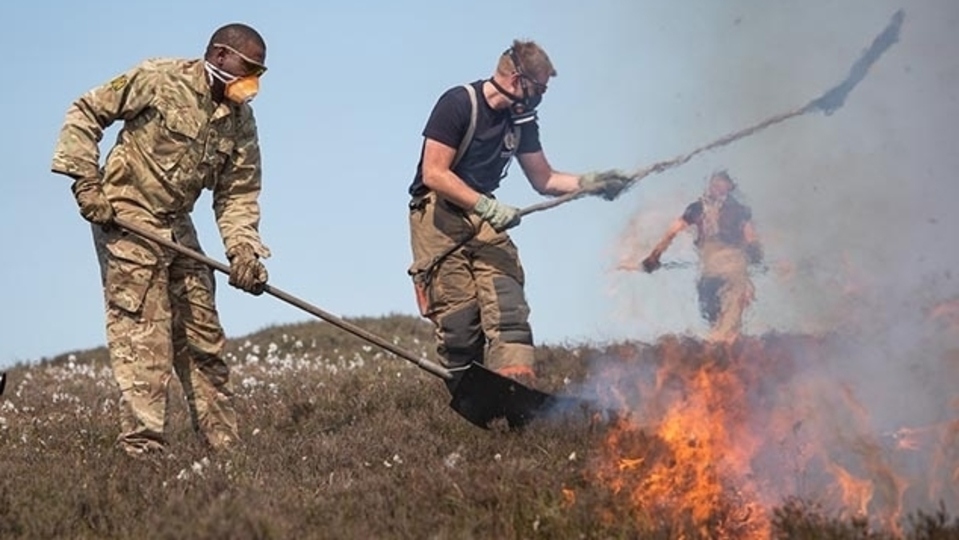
(474, 295)
(161, 319)
(725, 290)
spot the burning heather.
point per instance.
(719, 436)
(855, 413)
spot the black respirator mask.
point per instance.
(522, 109)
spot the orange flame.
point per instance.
(694, 465)
(856, 492)
(715, 436)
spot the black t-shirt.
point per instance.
(732, 217)
(483, 165)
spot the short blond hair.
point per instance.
(533, 61)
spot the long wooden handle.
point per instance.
(424, 364)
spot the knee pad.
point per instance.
(513, 311)
(461, 335)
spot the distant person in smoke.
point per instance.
(187, 126)
(727, 245)
(466, 270)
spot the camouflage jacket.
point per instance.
(175, 141)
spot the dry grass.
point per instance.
(340, 441)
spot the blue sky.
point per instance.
(351, 84)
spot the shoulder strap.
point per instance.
(518, 135)
(468, 138)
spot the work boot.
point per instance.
(154, 456)
(142, 444)
(224, 445)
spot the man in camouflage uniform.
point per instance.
(187, 126)
(727, 244)
(466, 270)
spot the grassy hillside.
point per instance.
(341, 440)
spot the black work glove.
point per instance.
(651, 263)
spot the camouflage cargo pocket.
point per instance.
(127, 283)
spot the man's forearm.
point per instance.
(449, 186)
(675, 228)
(559, 183)
(663, 244)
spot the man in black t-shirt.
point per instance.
(727, 244)
(466, 270)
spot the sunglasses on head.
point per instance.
(538, 86)
(253, 67)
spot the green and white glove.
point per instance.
(500, 216)
(609, 183)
